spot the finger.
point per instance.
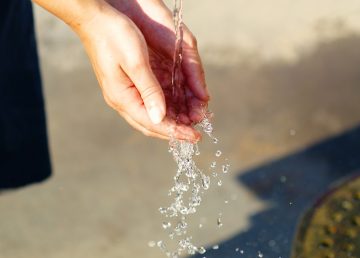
(167, 128)
(197, 108)
(123, 96)
(197, 112)
(147, 132)
(142, 129)
(150, 92)
(137, 67)
(125, 102)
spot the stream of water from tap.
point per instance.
(190, 182)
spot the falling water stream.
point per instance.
(190, 182)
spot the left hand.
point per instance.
(155, 22)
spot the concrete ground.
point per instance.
(284, 78)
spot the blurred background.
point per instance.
(285, 82)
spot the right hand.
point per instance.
(120, 57)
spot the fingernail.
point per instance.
(156, 115)
(206, 91)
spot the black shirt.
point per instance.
(24, 156)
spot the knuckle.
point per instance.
(150, 91)
(117, 98)
(113, 101)
(137, 63)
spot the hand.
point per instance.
(129, 68)
(156, 24)
(125, 66)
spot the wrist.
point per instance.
(75, 13)
(84, 13)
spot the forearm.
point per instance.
(135, 9)
(73, 12)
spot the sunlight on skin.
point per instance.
(130, 45)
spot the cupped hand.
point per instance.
(131, 54)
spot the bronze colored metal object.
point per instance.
(331, 228)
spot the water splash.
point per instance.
(190, 182)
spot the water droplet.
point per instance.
(208, 129)
(213, 164)
(161, 245)
(195, 200)
(215, 247)
(151, 244)
(200, 225)
(201, 250)
(183, 210)
(166, 225)
(219, 183)
(215, 140)
(242, 251)
(260, 254)
(219, 221)
(226, 201)
(162, 210)
(237, 249)
(205, 182)
(218, 153)
(225, 169)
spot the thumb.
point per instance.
(150, 92)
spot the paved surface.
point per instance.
(288, 121)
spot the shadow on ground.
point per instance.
(292, 183)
